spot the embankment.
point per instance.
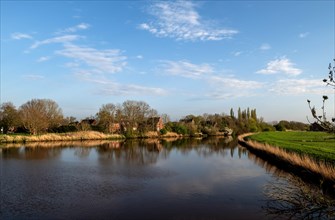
(72, 136)
(301, 165)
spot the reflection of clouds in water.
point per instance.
(198, 178)
(208, 176)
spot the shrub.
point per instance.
(163, 131)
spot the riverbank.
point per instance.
(71, 136)
(87, 136)
(302, 165)
(318, 145)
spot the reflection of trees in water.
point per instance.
(58, 144)
(204, 147)
(137, 151)
(130, 152)
(289, 197)
(148, 151)
(292, 198)
(30, 153)
(82, 152)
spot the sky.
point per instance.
(180, 57)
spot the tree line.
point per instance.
(131, 118)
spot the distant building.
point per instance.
(152, 124)
(114, 128)
(89, 121)
(157, 122)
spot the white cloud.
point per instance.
(43, 59)
(106, 61)
(33, 77)
(231, 82)
(265, 46)
(61, 39)
(131, 89)
(220, 87)
(180, 20)
(231, 87)
(81, 26)
(298, 87)
(139, 57)
(72, 64)
(187, 69)
(107, 87)
(237, 53)
(20, 36)
(281, 65)
(303, 35)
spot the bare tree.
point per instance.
(134, 112)
(321, 120)
(39, 115)
(165, 118)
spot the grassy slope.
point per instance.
(318, 145)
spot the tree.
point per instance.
(53, 113)
(165, 118)
(9, 117)
(232, 113)
(136, 112)
(322, 120)
(239, 114)
(39, 115)
(254, 114)
(107, 117)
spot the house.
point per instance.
(87, 124)
(89, 121)
(187, 121)
(157, 123)
(114, 128)
(152, 124)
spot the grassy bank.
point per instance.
(288, 151)
(72, 136)
(317, 145)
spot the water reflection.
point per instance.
(137, 150)
(289, 197)
(27, 153)
(211, 178)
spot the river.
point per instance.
(141, 179)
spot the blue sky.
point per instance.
(181, 57)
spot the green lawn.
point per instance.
(319, 145)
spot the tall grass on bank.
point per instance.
(324, 169)
(73, 136)
(318, 145)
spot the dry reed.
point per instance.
(73, 136)
(324, 169)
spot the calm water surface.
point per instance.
(152, 179)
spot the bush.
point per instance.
(64, 129)
(180, 129)
(163, 131)
(280, 127)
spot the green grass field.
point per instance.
(318, 145)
